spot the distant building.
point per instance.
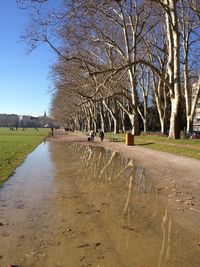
(9, 120)
(44, 120)
(25, 121)
(196, 121)
(29, 121)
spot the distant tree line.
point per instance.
(122, 65)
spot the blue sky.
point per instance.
(24, 82)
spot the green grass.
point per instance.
(120, 136)
(181, 147)
(15, 145)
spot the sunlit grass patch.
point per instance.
(173, 148)
(181, 147)
(120, 136)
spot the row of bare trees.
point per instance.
(117, 58)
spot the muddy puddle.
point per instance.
(72, 205)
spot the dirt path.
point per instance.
(177, 178)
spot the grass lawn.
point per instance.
(182, 147)
(15, 145)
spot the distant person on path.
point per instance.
(101, 135)
(52, 131)
(92, 135)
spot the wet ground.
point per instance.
(73, 205)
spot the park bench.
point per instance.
(113, 139)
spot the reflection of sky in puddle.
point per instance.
(36, 164)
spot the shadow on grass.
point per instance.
(117, 141)
(145, 144)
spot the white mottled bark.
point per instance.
(173, 66)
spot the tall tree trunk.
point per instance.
(161, 107)
(134, 117)
(188, 94)
(174, 131)
(94, 125)
(134, 123)
(145, 125)
(173, 67)
(162, 125)
(109, 122)
(195, 98)
(123, 122)
(115, 122)
(102, 119)
(189, 123)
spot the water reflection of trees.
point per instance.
(138, 210)
(109, 168)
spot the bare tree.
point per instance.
(190, 40)
(103, 45)
(144, 85)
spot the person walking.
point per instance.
(92, 135)
(101, 135)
